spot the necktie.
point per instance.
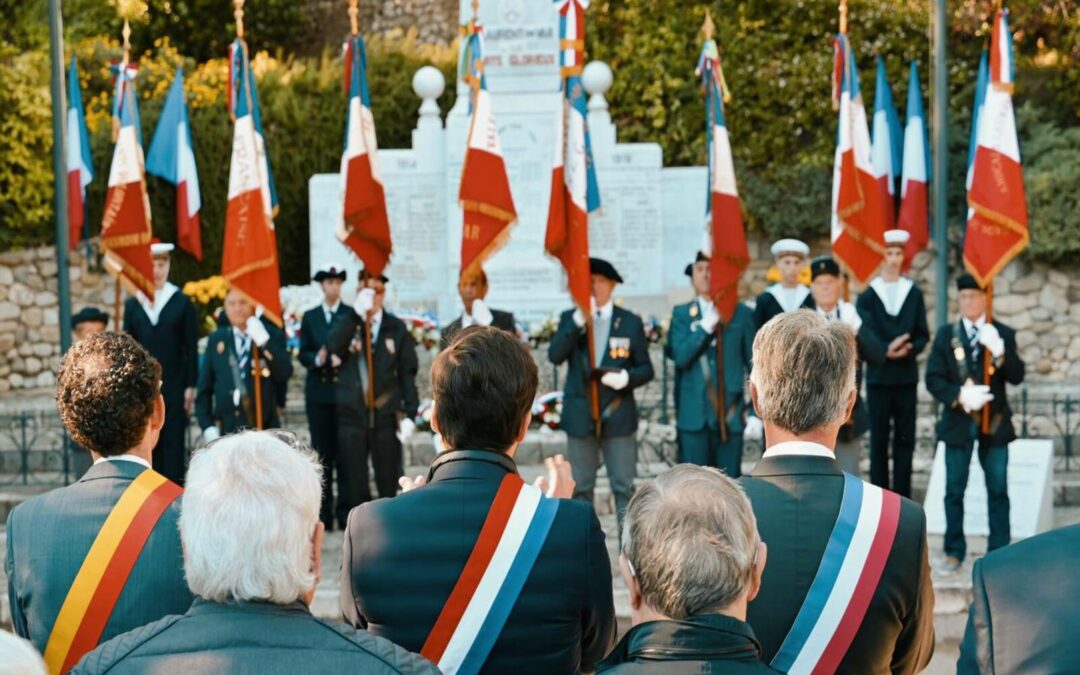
(973, 340)
(600, 334)
(245, 351)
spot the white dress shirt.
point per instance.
(800, 448)
(123, 458)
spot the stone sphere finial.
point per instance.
(597, 77)
(428, 83)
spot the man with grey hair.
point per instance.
(252, 552)
(849, 588)
(692, 560)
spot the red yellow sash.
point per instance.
(104, 572)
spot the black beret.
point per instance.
(824, 265)
(365, 275)
(88, 314)
(604, 269)
(966, 282)
(701, 257)
(330, 273)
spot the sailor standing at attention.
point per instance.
(788, 295)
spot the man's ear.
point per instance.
(434, 420)
(853, 396)
(631, 582)
(524, 430)
(754, 399)
(759, 569)
(316, 549)
(157, 415)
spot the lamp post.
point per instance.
(60, 202)
(941, 164)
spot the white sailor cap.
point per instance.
(897, 237)
(158, 247)
(789, 247)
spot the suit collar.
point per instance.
(122, 470)
(707, 637)
(789, 465)
(202, 607)
(470, 464)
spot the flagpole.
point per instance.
(257, 372)
(986, 354)
(60, 195)
(940, 95)
(354, 23)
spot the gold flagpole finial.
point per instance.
(708, 28)
(238, 14)
(843, 17)
(127, 41)
(475, 9)
(354, 13)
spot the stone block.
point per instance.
(44, 349)
(1053, 298)
(1058, 278)
(15, 380)
(33, 335)
(1044, 367)
(529, 452)
(1020, 321)
(5, 371)
(51, 333)
(45, 299)
(21, 295)
(3, 292)
(1039, 314)
(33, 317)
(1012, 303)
(25, 348)
(9, 310)
(75, 272)
(1025, 338)
(1074, 371)
(1074, 350)
(47, 268)
(46, 253)
(35, 282)
(32, 366)
(9, 258)
(7, 341)
(1026, 284)
(46, 379)
(52, 316)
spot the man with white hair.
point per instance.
(252, 554)
(788, 295)
(848, 587)
(692, 560)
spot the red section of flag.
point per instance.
(861, 245)
(913, 219)
(75, 209)
(888, 205)
(126, 234)
(567, 239)
(487, 206)
(250, 261)
(188, 232)
(730, 255)
(998, 230)
(366, 221)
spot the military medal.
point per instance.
(693, 310)
(959, 353)
(221, 348)
(266, 372)
(390, 345)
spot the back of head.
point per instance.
(690, 537)
(250, 507)
(106, 391)
(803, 371)
(483, 385)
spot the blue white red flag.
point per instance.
(574, 190)
(249, 261)
(914, 184)
(886, 142)
(725, 235)
(80, 165)
(858, 210)
(365, 226)
(125, 224)
(172, 157)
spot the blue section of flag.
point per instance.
(915, 109)
(75, 101)
(851, 72)
(508, 593)
(358, 82)
(125, 100)
(472, 52)
(161, 160)
(981, 82)
(575, 94)
(1006, 34)
(246, 102)
(883, 100)
(714, 109)
(825, 580)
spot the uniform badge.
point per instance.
(390, 347)
(959, 353)
(266, 372)
(693, 310)
(619, 347)
(221, 348)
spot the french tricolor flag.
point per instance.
(80, 165)
(574, 190)
(486, 201)
(171, 157)
(858, 210)
(997, 229)
(885, 148)
(914, 188)
(365, 226)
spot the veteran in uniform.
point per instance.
(379, 399)
(622, 365)
(955, 377)
(893, 313)
(321, 387)
(788, 295)
(168, 328)
(225, 396)
(706, 386)
(473, 289)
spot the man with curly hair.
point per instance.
(102, 556)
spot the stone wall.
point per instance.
(435, 21)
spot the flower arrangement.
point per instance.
(209, 296)
(539, 332)
(423, 328)
(423, 415)
(655, 330)
(547, 410)
(773, 275)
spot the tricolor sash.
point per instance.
(510, 540)
(850, 570)
(104, 572)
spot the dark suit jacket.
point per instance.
(767, 306)
(249, 638)
(943, 381)
(173, 342)
(618, 410)
(796, 500)
(48, 537)
(1022, 615)
(501, 319)
(404, 555)
(321, 384)
(395, 365)
(689, 343)
(214, 396)
(885, 328)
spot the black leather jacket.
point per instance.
(708, 643)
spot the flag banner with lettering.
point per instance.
(885, 143)
(914, 185)
(858, 211)
(125, 225)
(725, 235)
(365, 226)
(997, 228)
(574, 190)
(80, 165)
(172, 157)
(486, 202)
(249, 261)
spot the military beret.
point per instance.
(824, 266)
(966, 282)
(604, 269)
(89, 314)
(701, 257)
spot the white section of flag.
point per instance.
(484, 134)
(914, 154)
(185, 170)
(127, 163)
(723, 173)
(997, 124)
(74, 149)
(576, 169)
(882, 148)
(244, 175)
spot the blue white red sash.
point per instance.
(849, 574)
(516, 527)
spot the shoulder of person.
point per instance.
(395, 658)
(111, 652)
(390, 319)
(575, 513)
(313, 312)
(742, 313)
(1062, 544)
(627, 315)
(912, 518)
(681, 310)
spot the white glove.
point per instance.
(709, 317)
(255, 328)
(850, 316)
(210, 434)
(991, 339)
(481, 314)
(754, 429)
(974, 396)
(616, 381)
(406, 427)
(579, 318)
(365, 300)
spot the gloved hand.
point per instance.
(974, 396)
(710, 316)
(481, 314)
(365, 300)
(406, 427)
(579, 318)
(991, 339)
(850, 316)
(616, 381)
(210, 434)
(255, 328)
(754, 429)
